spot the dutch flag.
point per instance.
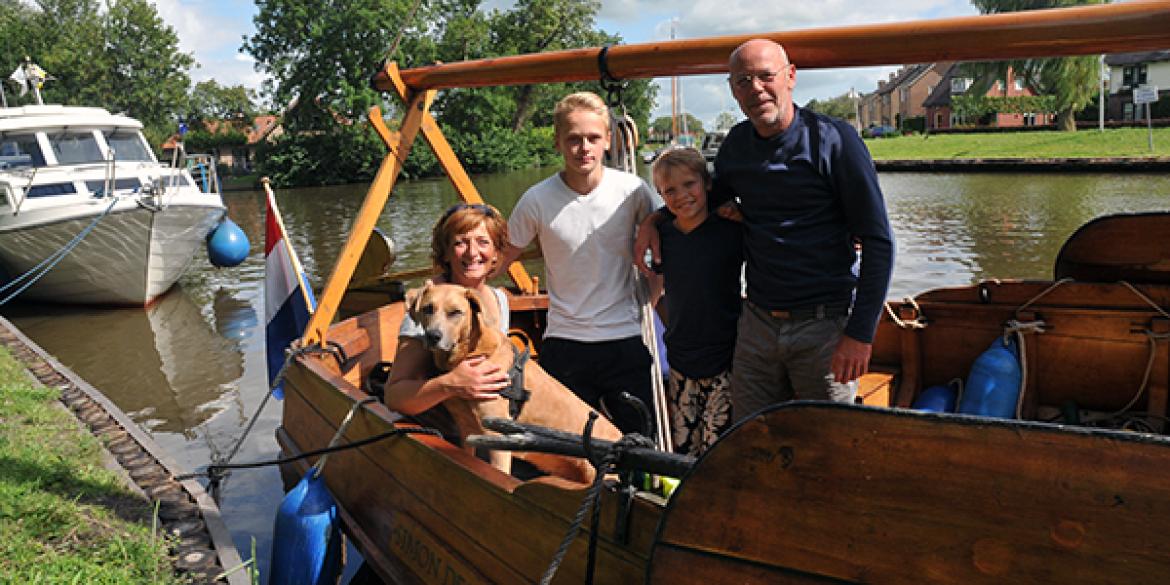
(288, 299)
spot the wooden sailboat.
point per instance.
(802, 493)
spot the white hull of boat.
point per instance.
(132, 255)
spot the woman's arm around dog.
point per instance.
(411, 389)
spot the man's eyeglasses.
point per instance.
(745, 80)
(486, 210)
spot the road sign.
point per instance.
(1146, 94)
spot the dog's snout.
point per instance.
(433, 337)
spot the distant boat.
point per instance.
(711, 143)
(77, 172)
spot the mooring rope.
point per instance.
(53, 259)
(1152, 338)
(1145, 298)
(1051, 288)
(606, 464)
(319, 466)
(1019, 328)
(215, 470)
(276, 381)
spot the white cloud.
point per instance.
(212, 31)
(706, 96)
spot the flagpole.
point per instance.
(292, 253)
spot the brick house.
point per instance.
(900, 97)
(1130, 70)
(939, 114)
(239, 158)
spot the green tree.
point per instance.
(319, 55)
(212, 101)
(841, 106)
(320, 60)
(663, 126)
(131, 59)
(1071, 80)
(724, 121)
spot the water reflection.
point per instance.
(164, 365)
(958, 229)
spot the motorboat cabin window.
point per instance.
(128, 145)
(51, 190)
(75, 147)
(98, 187)
(20, 150)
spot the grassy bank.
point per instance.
(63, 517)
(1119, 142)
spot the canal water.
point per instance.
(190, 369)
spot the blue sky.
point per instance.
(213, 31)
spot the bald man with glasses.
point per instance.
(806, 189)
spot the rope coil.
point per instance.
(605, 464)
(919, 322)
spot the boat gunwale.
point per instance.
(1119, 27)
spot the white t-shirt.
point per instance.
(586, 241)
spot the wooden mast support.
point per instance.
(1082, 30)
(418, 117)
(399, 145)
(458, 175)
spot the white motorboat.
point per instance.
(83, 197)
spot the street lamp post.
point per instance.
(853, 95)
(1101, 96)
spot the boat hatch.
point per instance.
(51, 190)
(20, 151)
(98, 186)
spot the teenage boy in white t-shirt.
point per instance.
(585, 217)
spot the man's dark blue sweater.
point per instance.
(805, 194)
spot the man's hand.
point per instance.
(851, 360)
(730, 211)
(647, 238)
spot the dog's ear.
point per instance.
(413, 295)
(474, 302)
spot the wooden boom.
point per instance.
(1082, 30)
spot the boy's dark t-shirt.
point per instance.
(703, 298)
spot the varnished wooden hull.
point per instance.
(423, 511)
(807, 493)
(830, 493)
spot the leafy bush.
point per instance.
(204, 141)
(914, 124)
(345, 154)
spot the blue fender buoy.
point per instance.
(940, 398)
(993, 385)
(227, 245)
(306, 541)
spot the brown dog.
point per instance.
(455, 329)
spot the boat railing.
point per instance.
(203, 171)
(201, 167)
